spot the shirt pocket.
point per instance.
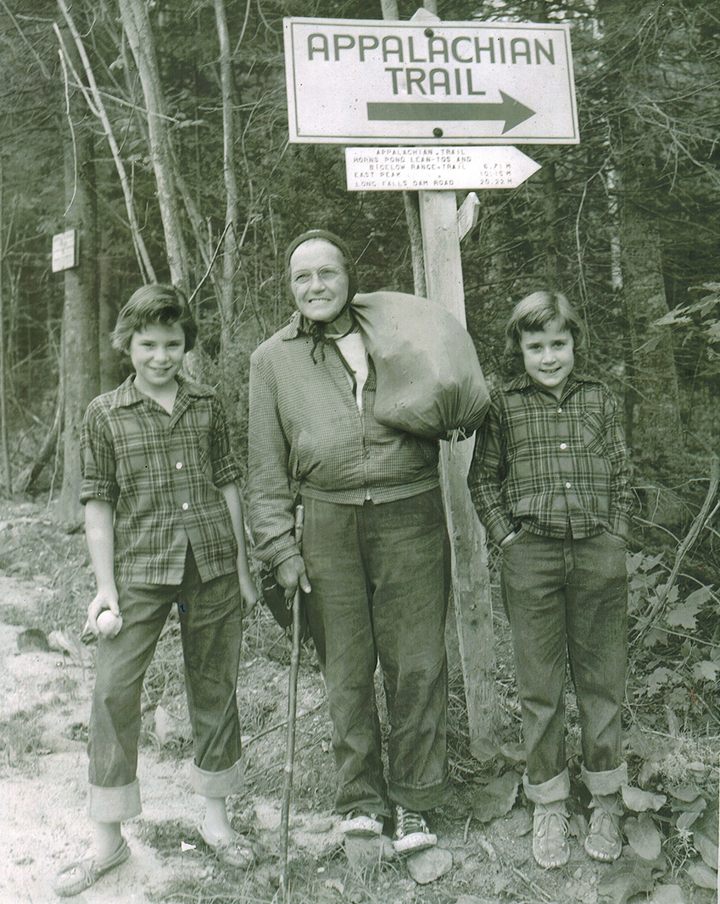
(132, 454)
(593, 432)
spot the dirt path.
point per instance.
(44, 707)
(44, 695)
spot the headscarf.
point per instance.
(316, 329)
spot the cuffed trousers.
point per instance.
(380, 580)
(566, 600)
(211, 629)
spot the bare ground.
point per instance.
(44, 710)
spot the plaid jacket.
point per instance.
(306, 434)
(552, 465)
(161, 474)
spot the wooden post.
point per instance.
(470, 574)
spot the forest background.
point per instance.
(158, 130)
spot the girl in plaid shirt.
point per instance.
(550, 482)
(164, 524)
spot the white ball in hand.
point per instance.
(108, 623)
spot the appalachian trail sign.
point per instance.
(368, 82)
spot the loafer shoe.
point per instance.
(551, 847)
(77, 877)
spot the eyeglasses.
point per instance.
(326, 275)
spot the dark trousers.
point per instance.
(567, 600)
(379, 576)
(211, 630)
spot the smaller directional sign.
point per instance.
(436, 168)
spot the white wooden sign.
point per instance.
(64, 250)
(356, 81)
(436, 168)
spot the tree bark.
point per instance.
(653, 399)
(110, 370)
(136, 24)
(4, 440)
(226, 299)
(81, 366)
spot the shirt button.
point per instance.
(559, 410)
(563, 446)
(178, 465)
(186, 505)
(568, 485)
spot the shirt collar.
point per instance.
(128, 395)
(524, 383)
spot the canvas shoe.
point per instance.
(604, 841)
(411, 832)
(550, 830)
(362, 825)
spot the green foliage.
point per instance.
(697, 325)
(678, 652)
(669, 832)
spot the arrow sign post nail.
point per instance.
(355, 81)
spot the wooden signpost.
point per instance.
(435, 96)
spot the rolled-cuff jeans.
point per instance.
(566, 600)
(380, 581)
(211, 630)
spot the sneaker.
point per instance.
(604, 841)
(363, 825)
(550, 830)
(411, 832)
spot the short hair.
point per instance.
(534, 312)
(149, 305)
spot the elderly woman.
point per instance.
(375, 563)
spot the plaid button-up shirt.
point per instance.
(307, 435)
(552, 466)
(161, 473)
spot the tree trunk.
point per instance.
(136, 25)
(551, 208)
(80, 318)
(654, 398)
(230, 261)
(110, 371)
(4, 440)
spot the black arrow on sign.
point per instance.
(509, 110)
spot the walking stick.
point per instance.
(292, 707)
